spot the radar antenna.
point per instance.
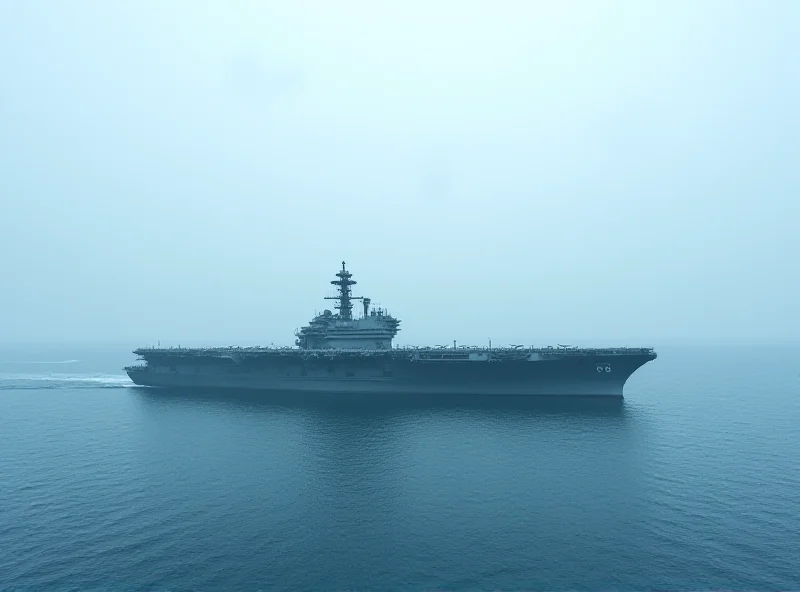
(345, 299)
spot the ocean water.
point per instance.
(691, 482)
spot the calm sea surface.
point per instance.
(693, 482)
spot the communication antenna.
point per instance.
(345, 304)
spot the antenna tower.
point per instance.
(345, 299)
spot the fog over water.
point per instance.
(530, 172)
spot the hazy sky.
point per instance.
(614, 172)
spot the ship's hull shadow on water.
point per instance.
(365, 403)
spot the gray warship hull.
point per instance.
(338, 353)
(547, 372)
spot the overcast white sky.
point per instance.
(533, 172)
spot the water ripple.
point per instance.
(690, 484)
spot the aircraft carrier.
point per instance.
(339, 353)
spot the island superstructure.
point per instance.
(339, 353)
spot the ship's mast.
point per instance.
(345, 305)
